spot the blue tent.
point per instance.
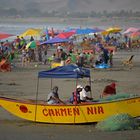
(55, 40)
(68, 71)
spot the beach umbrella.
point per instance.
(55, 40)
(5, 35)
(96, 30)
(131, 30)
(65, 34)
(135, 35)
(85, 31)
(31, 45)
(112, 30)
(31, 32)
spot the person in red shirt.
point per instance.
(17, 42)
(109, 90)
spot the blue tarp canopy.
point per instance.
(102, 66)
(86, 31)
(68, 71)
(55, 40)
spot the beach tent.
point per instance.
(5, 35)
(68, 71)
(55, 40)
(31, 32)
(65, 34)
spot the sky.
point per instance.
(76, 5)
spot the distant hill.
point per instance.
(72, 5)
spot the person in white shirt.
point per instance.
(84, 94)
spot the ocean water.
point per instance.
(19, 28)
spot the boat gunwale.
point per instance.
(33, 102)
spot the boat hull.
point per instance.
(70, 114)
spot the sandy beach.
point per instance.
(21, 83)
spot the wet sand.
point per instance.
(21, 83)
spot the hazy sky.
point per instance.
(82, 5)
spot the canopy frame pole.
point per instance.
(90, 87)
(74, 99)
(36, 98)
(51, 83)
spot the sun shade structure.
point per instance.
(31, 32)
(135, 35)
(65, 34)
(55, 40)
(111, 30)
(86, 31)
(131, 30)
(5, 35)
(68, 71)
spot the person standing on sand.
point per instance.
(24, 57)
(63, 57)
(111, 58)
(105, 55)
(17, 42)
(31, 39)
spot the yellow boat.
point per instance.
(88, 112)
(69, 113)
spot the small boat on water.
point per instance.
(87, 112)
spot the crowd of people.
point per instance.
(90, 51)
